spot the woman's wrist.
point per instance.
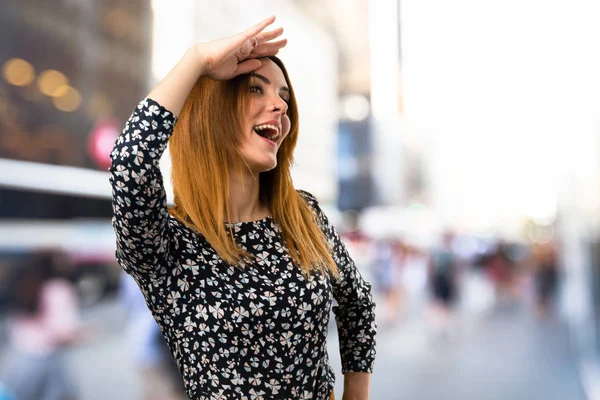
(357, 386)
(196, 54)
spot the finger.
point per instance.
(268, 49)
(246, 41)
(246, 38)
(248, 66)
(264, 37)
(256, 29)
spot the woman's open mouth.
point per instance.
(267, 131)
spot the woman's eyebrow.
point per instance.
(261, 77)
(267, 81)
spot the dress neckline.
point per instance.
(242, 223)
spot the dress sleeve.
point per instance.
(140, 215)
(355, 310)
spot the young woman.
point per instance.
(240, 272)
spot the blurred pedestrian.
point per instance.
(147, 346)
(546, 278)
(241, 272)
(443, 284)
(44, 322)
(500, 270)
(360, 246)
(388, 267)
(414, 277)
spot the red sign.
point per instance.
(101, 141)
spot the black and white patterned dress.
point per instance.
(257, 332)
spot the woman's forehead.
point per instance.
(272, 72)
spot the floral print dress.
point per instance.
(257, 332)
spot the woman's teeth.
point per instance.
(269, 131)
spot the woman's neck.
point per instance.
(244, 199)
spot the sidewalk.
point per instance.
(506, 356)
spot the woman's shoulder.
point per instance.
(313, 203)
(308, 197)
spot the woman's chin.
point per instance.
(263, 166)
(267, 168)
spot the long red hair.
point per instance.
(204, 153)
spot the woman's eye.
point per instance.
(255, 89)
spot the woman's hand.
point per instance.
(226, 58)
(220, 59)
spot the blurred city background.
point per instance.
(453, 143)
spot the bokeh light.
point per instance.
(66, 98)
(50, 81)
(18, 72)
(355, 107)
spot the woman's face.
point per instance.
(267, 124)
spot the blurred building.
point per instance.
(355, 170)
(71, 73)
(371, 143)
(504, 116)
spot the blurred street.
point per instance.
(505, 355)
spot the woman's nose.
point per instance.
(278, 105)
